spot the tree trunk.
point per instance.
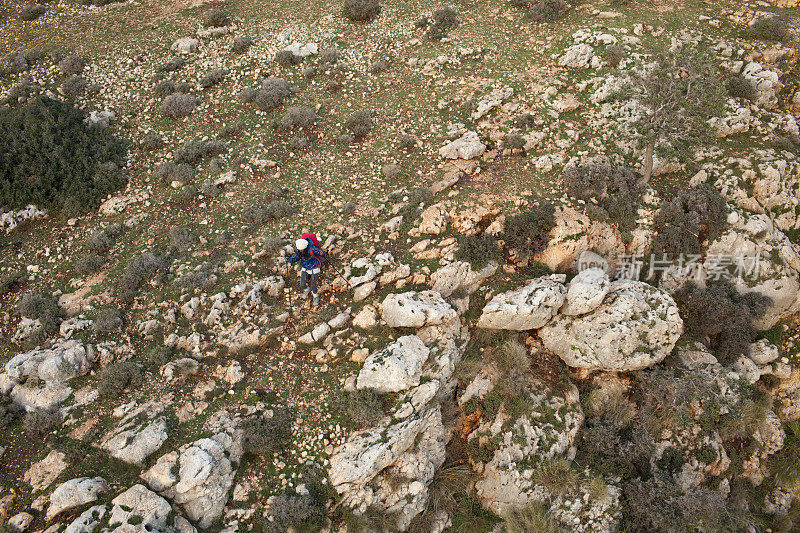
(648, 163)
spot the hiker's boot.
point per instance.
(316, 300)
(305, 293)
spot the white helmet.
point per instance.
(301, 244)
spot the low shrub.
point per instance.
(361, 10)
(478, 250)
(72, 64)
(613, 192)
(17, 62)
(216, 18)
(89, 264)
(74, 86)
(362, 408)
(180, 240)
(614, 55)
(740, 87)
(379, 66)
(173, 64)
(102, 240)
(772, 29)
(55, 160)
(273, 93)
(178, 105)
(157, 357)
(406, 142)
(290, 512)
(442, 22)
(107, 321)
(286, 58)
(298, 118)
(547, 10)
(213, 77)
(38, 423)
(526, 121)
(263, 436)
(693, 217)
(43, 308)
(348, 209)
(514, 141)
(360, 123)
(247, 95)
(330, 55)
(721, 318)
(12, 282)
(152, 141)
(32, 11)
(529, 232)
(194, 151)
(785, 464)
(532, 517)
(257, 213)
(232, 130)
(114, 379)
(139, 270)
(9, 412)
(241, 44)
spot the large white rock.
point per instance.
(468, 146)
(64, 360)
(577, 56)
(766, 83)
(74, 493)
(635, 327)
(416, 309)
(459, 277)
(586, 291)
(185, 45)
(138, 501)
(529, 307)
(395, 368)
(197, 477)
(134, 442)
(88, 520)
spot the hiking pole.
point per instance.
(289, 286)
(337, 271)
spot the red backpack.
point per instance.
(312, 238)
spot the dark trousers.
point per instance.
(310, 280)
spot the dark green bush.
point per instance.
(613, 191)
(139, 270)
(89, 264)
(691, 218)
(216, 18)
(12, 282)
(74, 86)
(178, 105)
(478, 250)
(298, 118)
(514, 141)
(241, 44)
(442, 21)
(39, 307)
(194, 151)
(265, 436)
(32, 11)
(547, 10)
(286, 58)
(361, 10)
(107, 321)
(172, 65)
(180, 240)
(273, 93)
(529, 232)
(359, 123)
(72, 64)
(50, 158)
(114, 379)
(614, 55)
(721, 318)
(740, 87)
(773, 29)
(39, 422)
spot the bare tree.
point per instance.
(680, 92)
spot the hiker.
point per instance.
(311, 257)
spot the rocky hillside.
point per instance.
(564, 282)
